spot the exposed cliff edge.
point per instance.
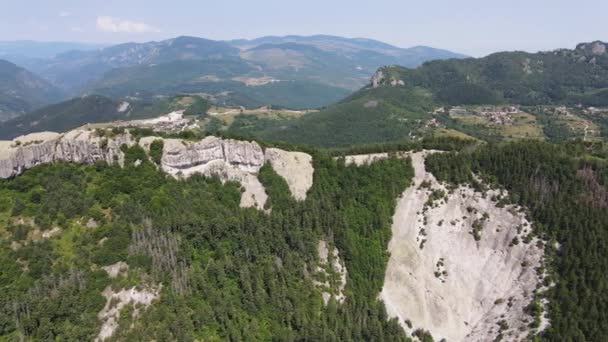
(461, 266)
(230, 160)
(386, 76)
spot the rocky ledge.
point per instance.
(230, 160)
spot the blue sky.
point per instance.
(474, 27)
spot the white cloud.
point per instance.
(111, 24)
(65, 14)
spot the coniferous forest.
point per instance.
(227, 273)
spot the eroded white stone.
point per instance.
(228, 159)
(117, 300)
(295, 167)
(485, 281)
(117, 269)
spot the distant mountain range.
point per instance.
(291, 71)
(399, 102)
(21, 91)
(318, 71)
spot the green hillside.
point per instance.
(231, 273)
(227, 273)
(21, 91)
(556, 77)
(559, 95)
(216, 79)
(369, 116)
(63, 116)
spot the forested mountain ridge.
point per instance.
(306, 72)
(555, 77)
(557, 95)
(74, 69)
(70, 114)
(21, 91)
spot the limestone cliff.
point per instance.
(230, 160)
(388, 75)
(78, 146)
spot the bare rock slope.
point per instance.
(295, 167)
(459, 266)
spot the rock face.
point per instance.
(377, 79)
(460, 266)
(366, 159)
(78, 146)
(116, 300)
(380, 78)
(117, 269)
(230, 160)
(295, 167)
(596, 48)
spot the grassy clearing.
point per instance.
(452, 133)
(523, 126)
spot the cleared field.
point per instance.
(227, 115)
(452, 133)
(521, 126)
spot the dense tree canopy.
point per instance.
(237, 274)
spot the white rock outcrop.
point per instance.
(78, 146)
(367, 159)
(442, 279)
(117, 269)
(230, 160)
(295, 167)
(117, 300)
(363, 159)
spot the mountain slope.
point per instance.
(362, 51)
(76, 112)
(63, 116)
(381, 115)
(325, 65)
(74, 69)
(97, 243)
(346, 62)
(108, 235)
(561, 76)
(36, 49)
(22, 91)
(504, 96)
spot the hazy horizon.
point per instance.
(474, 27)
